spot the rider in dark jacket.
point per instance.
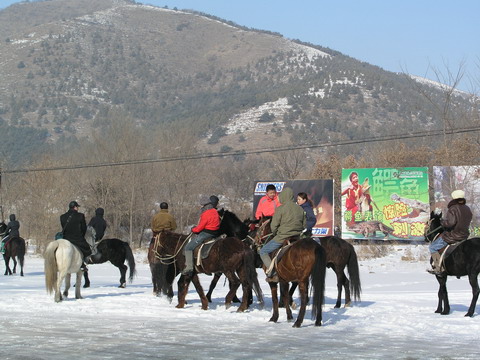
(456, 224)
(74, 229)
(11, 232)
(98, 223)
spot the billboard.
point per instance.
(385, 203)
(467, 178)
(320, 192)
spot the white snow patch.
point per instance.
(249, 119)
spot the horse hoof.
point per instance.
(86, 286)
(179, 306)
(348, 304)
(227, 306)
(123, 286)
(293, 306)
(296, 325)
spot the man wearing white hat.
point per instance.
(456, 224)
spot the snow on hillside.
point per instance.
(438, 85)
(248, 120)
(394, 320)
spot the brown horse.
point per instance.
(229, 256)
(301, 260)
(14, 249)
(341, 254)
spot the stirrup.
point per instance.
(435, 272)
(272, 278)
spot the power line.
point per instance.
(252, 151)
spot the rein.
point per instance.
(432, 231)
(168, 259)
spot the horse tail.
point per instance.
(21, 252)
(131, 261)
(50, 266)
(354, 275)
(251, 273)
(164, 276)
(318, 282)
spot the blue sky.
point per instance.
(415, 36)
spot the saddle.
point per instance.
(204, 250)
(447, 250)
(278, 254)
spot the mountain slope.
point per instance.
(67, 63)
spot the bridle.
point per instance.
(429, 232)
(259, 238)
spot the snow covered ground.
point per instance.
(395, 319)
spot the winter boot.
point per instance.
(437, 268)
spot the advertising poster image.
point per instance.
(467, 178)
(385, 203)
(320, 192)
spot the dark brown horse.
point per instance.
(14, 249)
(301, 260)
(464, 260)
(232, 226)
(229, 256)
(341, 254)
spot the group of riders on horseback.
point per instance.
(288, 219)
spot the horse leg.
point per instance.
(214, 282)
(58, 285)
(443, 303)
(87, 280)
(14, 265)
(286, 299)
(7, 265)
(234, 285)
(182, 284)
(246, 289)
(123, 271)
(273, 288)
(302, 286)
(78, 284)
(342, 282)
(67, 284)
(201, 294)
(473, 278)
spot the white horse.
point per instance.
(62, 259)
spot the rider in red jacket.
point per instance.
(207, 228)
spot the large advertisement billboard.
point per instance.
(320, 192)
(385, 203)
(467, 178)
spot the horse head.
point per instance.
(3, 228)
(231, 225)
(433, 227)
(264, 231)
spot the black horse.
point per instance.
(117, 252)
(14, 249)
(464, 260)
